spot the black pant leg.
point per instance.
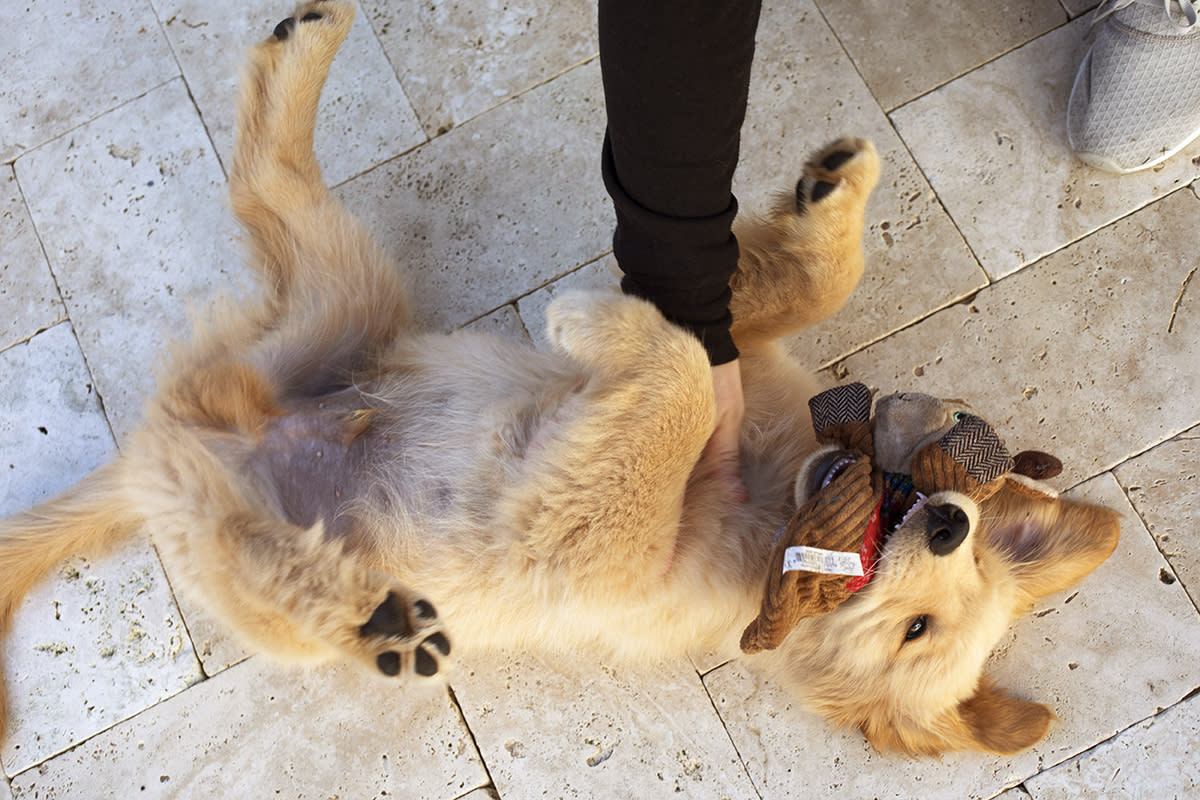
(676, 78)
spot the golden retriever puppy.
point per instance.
(332, 483)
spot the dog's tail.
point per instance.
(88, 519)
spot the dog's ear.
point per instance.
(989, 721)
(995, 722)
(1051, 542)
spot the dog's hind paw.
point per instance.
(404, 634)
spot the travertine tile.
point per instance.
(1103, 655)
(1071, 356)
(257, 731)
(497, 207)
(29, 299)
(131, 209)
(602, 274)
(486, 793)
(52, 429)
(67, 61)
(1163, 484)
(805, 93)
(457, 59)
(99, 640)
(918, 45)
(364, 117)
(5, 794)
(1154, 759)
(504, 322)
(571, 728)
(994, 146)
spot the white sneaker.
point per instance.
(1136, 99)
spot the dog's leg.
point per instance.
(605, 489)
(800, 264)
(336, 300)
(301, 594)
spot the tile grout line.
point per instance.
(452, 696)
(725, 727)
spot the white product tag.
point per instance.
(814, 559)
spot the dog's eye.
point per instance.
(917, 629)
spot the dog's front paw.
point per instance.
(318, 20)
(841, 172)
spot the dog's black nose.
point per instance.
(948, 525)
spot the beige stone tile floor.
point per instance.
(1060, 301)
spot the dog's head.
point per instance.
(961, 546)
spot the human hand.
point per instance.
(721, 452)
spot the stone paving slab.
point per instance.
(131, 210)
(99, 640)
(479, 217)
(1164, 486)
(29, 299)
(994, 146)
(1153, 760)
(112, 54)
(965, 35)
(456, 59)
(257, 731)
(52, 428)
(571, 728)
(1073, 355)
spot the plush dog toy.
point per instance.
(868, 474)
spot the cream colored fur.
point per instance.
(331, 482)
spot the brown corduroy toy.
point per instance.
(827, 551)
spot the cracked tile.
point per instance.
(573, 728)
(994, 146)
(258, 731)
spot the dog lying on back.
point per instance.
(332, 483)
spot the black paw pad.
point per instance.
(284, 29)
(426, 664)
(822, 189)
(836, 159)
(424, 610)
(389, 664)
(388, 619)
(311, 16)
(439, 642)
